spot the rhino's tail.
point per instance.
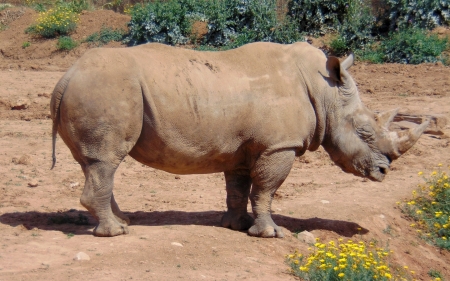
(55, 104)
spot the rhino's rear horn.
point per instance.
(385, 118)
(406, 139)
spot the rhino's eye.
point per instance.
(366, 133)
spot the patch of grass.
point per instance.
(26, 44)
(349, 260)
(435, 274)
(104, 36)
(430, 208)
(66, 43)
(70, 235)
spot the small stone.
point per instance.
(177, 177)
(20, 104)
(23, 160)
(81, 257)
(176, 244)
(33, 184)
(74, 184)
(324, 201)
(306, 237)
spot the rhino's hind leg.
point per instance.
(269, 172)
(238, 187)
(97, 198)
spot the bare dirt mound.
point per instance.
(42, 54)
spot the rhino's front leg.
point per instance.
(238, 187)
(270, 171)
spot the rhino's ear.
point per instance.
(334, 68)
(348, 62)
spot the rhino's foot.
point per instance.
(266, 228)
(110, 228)
(237, 221)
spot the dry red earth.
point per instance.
(164, 208)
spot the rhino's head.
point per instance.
(358, 140)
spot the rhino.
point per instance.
(247, 112)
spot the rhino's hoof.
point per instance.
(110, 229)
(237, 221)
(266, 231)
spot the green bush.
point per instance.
(230, 23)
(418, 13)
(104, 36)
(317, 17)
(413, 46)
(66, 43)
(60, 20)
(5, 6)
(355, 33)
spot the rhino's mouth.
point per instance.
(379, 173)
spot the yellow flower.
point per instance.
(341, 275)
(420, 173)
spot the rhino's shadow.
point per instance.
(81, 222)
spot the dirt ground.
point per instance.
(175, 232)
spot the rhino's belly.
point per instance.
(184, 158)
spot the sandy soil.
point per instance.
(166, 209)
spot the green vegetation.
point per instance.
(26, 44)
(430, 209)
(377, 31)
(104, 36)
(352, 261)
(230, 23)
(5, 6)
(54, 22)
(66, 43)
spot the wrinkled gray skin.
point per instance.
(247, 113)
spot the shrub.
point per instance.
(54, 22)
(164, 22)
(355, 32)
(430, 209)
(344, 261)
(413, 46)
(230, 23)
(104, 36)
(317, 17)
(66, 43)
(26, 44)
(418, 13)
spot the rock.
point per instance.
(23, 160)
(33, 184)
(306, 237)
(74, 184)
(176, 244)
(20, 104)
(177, 177)
(324, 201)
(81, 257)
(45, 95)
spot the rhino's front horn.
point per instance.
(406, 139)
